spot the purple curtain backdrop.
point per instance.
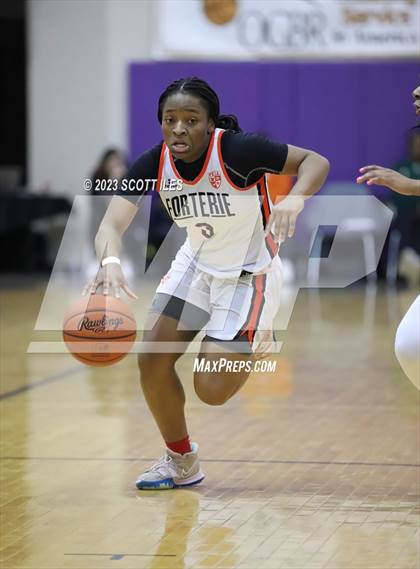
(353, 113)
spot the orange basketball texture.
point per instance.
(99, 330)
(220, 12)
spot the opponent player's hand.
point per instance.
(386, 177)
(283, 216)
(112, 280)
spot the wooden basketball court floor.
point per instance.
(315, 466)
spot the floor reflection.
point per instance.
(187, 533)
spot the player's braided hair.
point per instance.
(201, 89)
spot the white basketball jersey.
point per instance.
(224, 223)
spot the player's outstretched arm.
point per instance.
(117, 218)
(390, 178)
(311, 170)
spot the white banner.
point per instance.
(257, 29)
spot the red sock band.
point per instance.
(181, 447)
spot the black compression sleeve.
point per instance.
(248, 156)
(146, 167)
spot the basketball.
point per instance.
(99, 330)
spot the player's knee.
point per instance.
(210, 392)
(212, 397)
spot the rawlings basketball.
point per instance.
(99, 330)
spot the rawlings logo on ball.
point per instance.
(215, 179)
(101, 325)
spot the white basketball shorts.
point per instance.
(239, 310)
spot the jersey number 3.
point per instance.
(206, 229)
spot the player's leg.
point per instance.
(225, 369)
(407, 343)
(171, 322)
(178, 312)
(240, 328)
(161, 385)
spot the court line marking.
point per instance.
(216, 460)
(49, 379)
(117, 556)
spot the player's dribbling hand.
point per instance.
(112, 280)
(282, 221)
(386, 177)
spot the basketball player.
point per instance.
(226, 277)
(407, 339)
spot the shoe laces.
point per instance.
(162, 464)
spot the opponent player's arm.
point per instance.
(311, 170)
(117, 218)
(390, 178)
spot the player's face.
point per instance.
(186, 127)
(416, 95)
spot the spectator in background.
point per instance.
(111, 165)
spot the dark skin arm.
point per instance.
(386, 177)
(311, 170)
(117, 218)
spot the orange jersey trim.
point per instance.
(255, 311)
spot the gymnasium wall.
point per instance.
(78, 57)
(85, 93)
(354, 113)
(92, 84)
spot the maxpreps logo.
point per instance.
(215, 179)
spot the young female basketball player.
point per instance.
(227, 275)
(407, 339)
